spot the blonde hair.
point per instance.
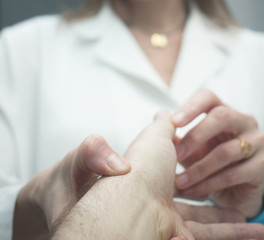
(216, 10)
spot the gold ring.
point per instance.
(246, 148)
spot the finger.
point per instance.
(95, 155)
(157, 155)
(202, 102)
(222, 156)
(226, 231)
(208, 214)
(204, 149)
(161, 115)
(221, 119)
(244, 172)
(161, 126)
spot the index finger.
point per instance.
(202, 102)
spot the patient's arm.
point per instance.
(137, 205)
(118, 208)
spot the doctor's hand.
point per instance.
(47, 199)
(207, 222)
(139, 205)
(223, 155)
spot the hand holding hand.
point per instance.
(139, 205)
(216, 163)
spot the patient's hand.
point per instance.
(139, 205)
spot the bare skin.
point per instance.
(139, 204)
(49, 197)
(170, 15)
(57, 194)
(211, 154)
(47, 208)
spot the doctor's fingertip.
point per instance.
(179, 118)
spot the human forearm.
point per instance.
(118, 208)
(134, 206)
(48, 197)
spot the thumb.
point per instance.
(162, 125)
(95, 155)
(162, 114)
(153, 152)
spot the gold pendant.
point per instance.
(159, 40)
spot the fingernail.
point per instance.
(178, 118)
(116, 163)
(180, 149)
(182, 180)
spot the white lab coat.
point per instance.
(62, 82)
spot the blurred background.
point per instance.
(249, 13)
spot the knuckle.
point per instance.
(222, 112)
(209, 94)
(229, 178)
(94, 141)
(92, 144)
(223, 152)
(191, 107)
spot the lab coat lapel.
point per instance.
(117, 48)
(202, 56)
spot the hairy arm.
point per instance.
(115, 208)
(134, 206)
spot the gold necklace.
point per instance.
(158, 39)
